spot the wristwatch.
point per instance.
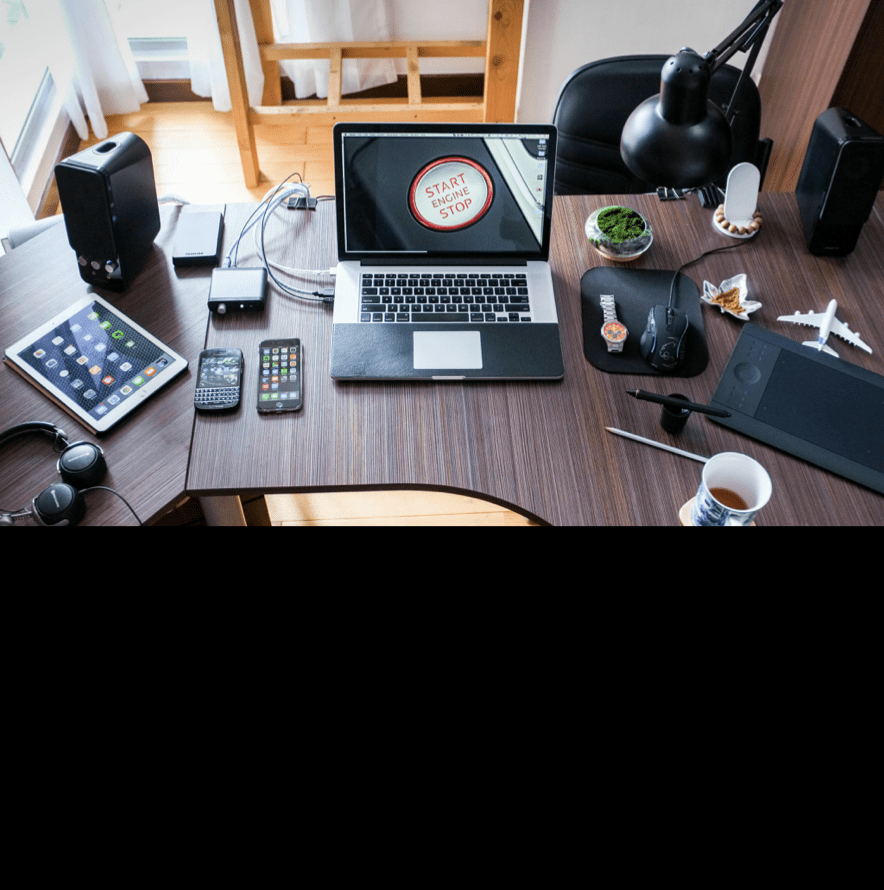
(613, 331)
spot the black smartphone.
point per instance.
(219, 379)
(280, 374)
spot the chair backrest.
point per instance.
(595, 102)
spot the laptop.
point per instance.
(443, 235)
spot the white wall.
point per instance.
(439, 20)
(562, 35)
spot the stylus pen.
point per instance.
(677, 403)
(645, 441)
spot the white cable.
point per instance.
(298, 188)
(258, 220)
(278, 266)
(325, 295)
(257, 214)
(305, 193)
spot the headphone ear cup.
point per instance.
(82, 465)
(60, 504)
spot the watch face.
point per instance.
(614, 331)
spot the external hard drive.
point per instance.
(198, 238)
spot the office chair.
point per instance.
(595, 102)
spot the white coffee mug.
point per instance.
(733, 488)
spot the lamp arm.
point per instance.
(750, 33)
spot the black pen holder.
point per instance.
(673, 419)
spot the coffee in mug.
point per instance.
(733, 488)
(729, 498)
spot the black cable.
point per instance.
(697, 259)
(105, 488)
(22, 512)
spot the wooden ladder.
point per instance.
(501, 49)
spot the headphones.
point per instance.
(80, 465)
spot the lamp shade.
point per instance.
(678, 139)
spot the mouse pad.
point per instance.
(635, 292)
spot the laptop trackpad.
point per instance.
(447, 350)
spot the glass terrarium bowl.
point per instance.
(619, 233)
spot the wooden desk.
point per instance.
(541, 448)
(146, 453)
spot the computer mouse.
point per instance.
(662, 344)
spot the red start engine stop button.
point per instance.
(451, 193)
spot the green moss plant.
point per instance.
(621, 224)
(619, 232)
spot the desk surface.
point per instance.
(538, 448)
(146, 453)
(542, 448)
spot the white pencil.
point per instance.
(657, 444)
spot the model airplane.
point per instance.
(828, 324)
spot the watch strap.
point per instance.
(609, 310)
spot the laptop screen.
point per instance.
(437, 191)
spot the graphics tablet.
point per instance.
(807, 403)
(95, 362)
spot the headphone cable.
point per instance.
(105, 488)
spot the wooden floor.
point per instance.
(195, 157)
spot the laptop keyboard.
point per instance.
(445, 297)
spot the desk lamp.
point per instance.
(679, 138)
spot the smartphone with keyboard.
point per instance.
(219, 379)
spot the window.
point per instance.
(24, 74)
(155, 31)
(33, 121)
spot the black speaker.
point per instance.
(109, 198)
(839, 181)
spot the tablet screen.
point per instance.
(96, 362)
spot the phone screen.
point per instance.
(279, 378)
(220, 371)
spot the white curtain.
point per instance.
(208, 77)
(295, 21)
(327, 21)
(91, 65)
(95, 70)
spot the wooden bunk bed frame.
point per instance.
(500, 49)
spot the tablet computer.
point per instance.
(95, 362)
